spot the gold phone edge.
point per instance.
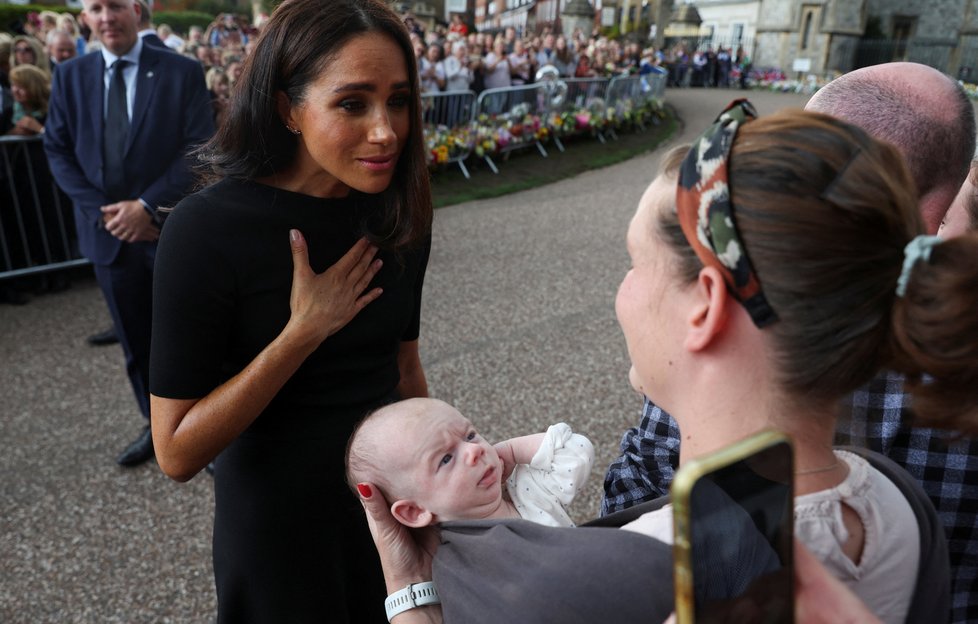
(682, 485)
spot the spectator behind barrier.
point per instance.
(219, 88)
(31, 89)
(68, 24)
(61, 47)
(458, 72)
(28, 50)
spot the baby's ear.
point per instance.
(411, 514)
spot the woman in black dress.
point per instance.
(287, 302)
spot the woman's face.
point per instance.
(19, 94)
(24, 54)
(222, 87)
(647, 306)
(354, 120)
(234, 71)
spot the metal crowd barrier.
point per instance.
(656, 86)
(509, 117)
(588, 94)
(37, 227)
(449, 126)
(627, 93)
(584, 92)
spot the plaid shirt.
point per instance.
(946, 468)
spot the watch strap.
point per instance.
(414, 595)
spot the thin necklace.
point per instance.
(833, 466)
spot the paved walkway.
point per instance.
(518, 331)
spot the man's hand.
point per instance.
(130, 222)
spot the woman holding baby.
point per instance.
(776, 265)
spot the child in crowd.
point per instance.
(431, 463)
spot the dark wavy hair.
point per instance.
(295, 47)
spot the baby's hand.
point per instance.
(518, 451)
(505, 452)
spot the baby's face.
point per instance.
(455, 474)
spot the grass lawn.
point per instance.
(526, 168)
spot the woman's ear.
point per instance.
(284, 106)
(411, 514)
(708, 316)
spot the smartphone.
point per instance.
(733, 520)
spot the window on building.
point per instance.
(904, 27)
(809, 23)
(707, 31)
(737, 32)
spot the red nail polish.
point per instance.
(364, 490)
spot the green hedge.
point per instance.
(181, 21)
(13, 14)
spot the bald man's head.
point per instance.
(921, 111)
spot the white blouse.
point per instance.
(886, 575)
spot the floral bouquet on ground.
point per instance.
(500, 133)
(444, 144)
(631, 114)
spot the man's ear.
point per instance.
(708, 316)
(411, 514)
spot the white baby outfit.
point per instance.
(541, 489)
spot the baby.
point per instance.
(432, 465)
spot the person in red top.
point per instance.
(458, 26)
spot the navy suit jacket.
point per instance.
(155, 41)
(170, 115)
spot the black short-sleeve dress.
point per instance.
(290, 539)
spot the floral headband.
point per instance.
(706, 213)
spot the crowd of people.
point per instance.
(791, 255)
(49, 38)
(454, 59)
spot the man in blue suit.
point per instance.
(120, 126)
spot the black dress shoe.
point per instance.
(103, 338)
(139, 451)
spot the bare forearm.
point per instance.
(430, 614)
(520, 450)
(184, 445)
